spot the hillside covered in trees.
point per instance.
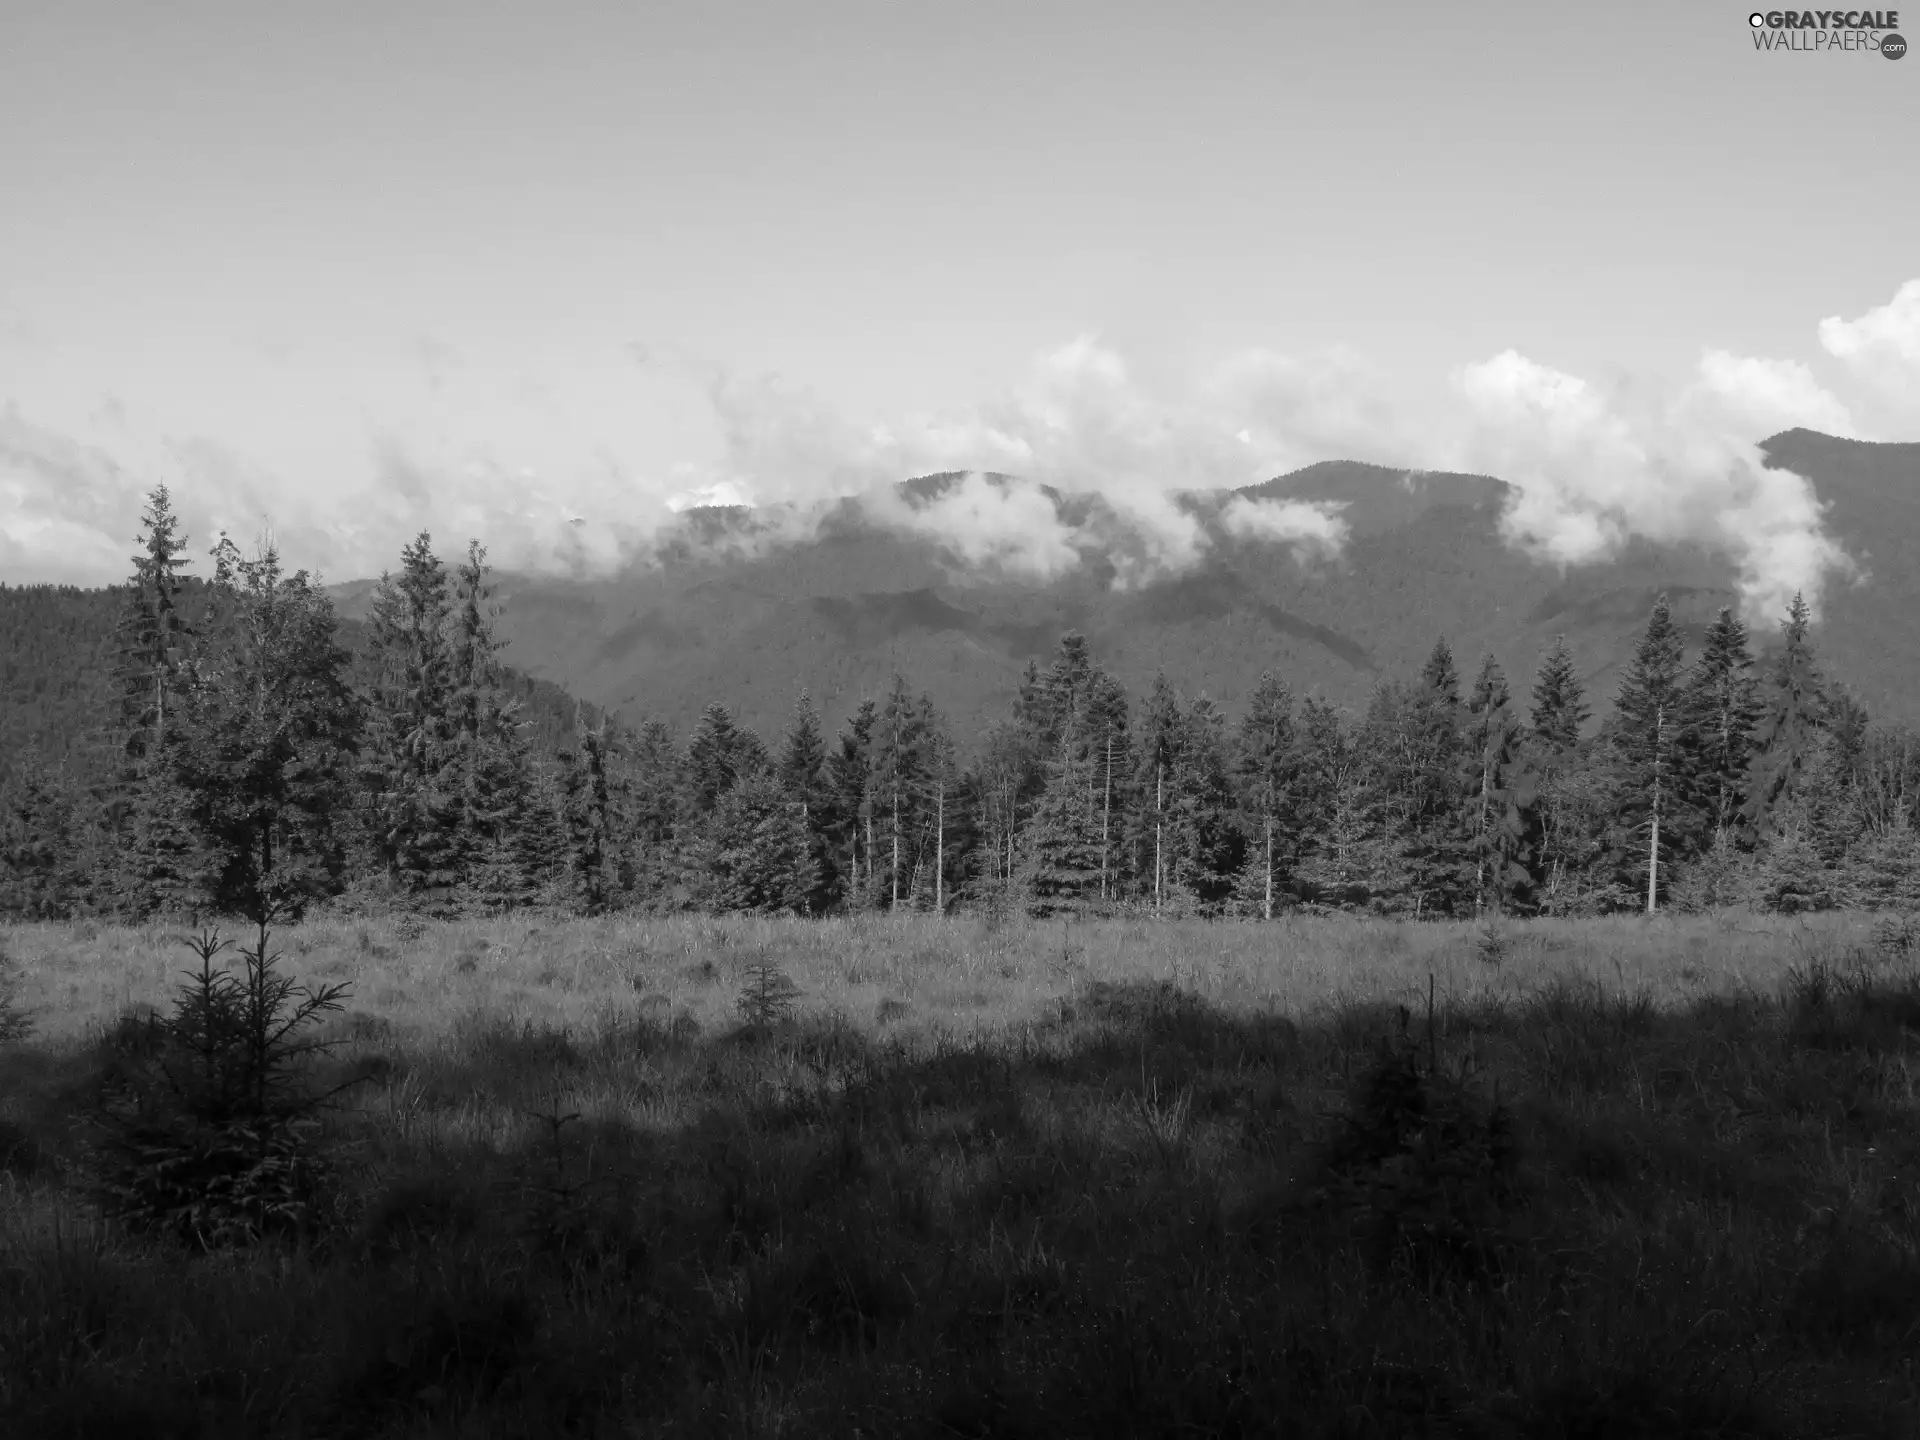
(750, 606)
(178, 745)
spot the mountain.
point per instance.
(734, 612)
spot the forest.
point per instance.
(243, 747)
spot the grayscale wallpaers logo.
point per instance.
(1828, 31)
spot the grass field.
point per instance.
(1623, 1178)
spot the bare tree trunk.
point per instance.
(1267, 911)
(1106, 818)
(1653, 831)
(1159, 802)
(894, 902)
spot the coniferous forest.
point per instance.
(232, 738)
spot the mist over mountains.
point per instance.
(1335, 575)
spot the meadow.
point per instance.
(1320, 1177)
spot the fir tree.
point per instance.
(757, 852)
(898, 779)
(271, 730)
(1268, 767)
(1646, 734)
(803, 770)
(1793, 714)
(850, 776)
(1162, 740)
(40, 853)
(720, 755)
(411, 770)
(1559, 700)
(1061, 841)
(1719, 712)
(1502, 794)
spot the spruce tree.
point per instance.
(1268, 768)
(1559, 699)
(411, 769)
(40, 853)
(1502, 793)
(271, 730)
(1061, 840)
(1647, 727)
(1720, 711)
(850, 774)
(1157, 781)
(757, 854)
(1792, 716)
(898, 780)
(803, 770)
(157, 856)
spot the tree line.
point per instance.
(251, 760)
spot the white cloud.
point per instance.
(1592, 470)
(1881, 351)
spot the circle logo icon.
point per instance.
(1892, 46)
(1756, 20)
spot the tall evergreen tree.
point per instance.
(1792, 717)
(411, 768)
(1720, 711)
(1501, 792)
(1645, 746)
(1559, 699)
(272, 728)
(899, 780)
(1268, 771)
(850, 774)
(756, 853)
(1062, 838)
(803, 770)
(1162, 750)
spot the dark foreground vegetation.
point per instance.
(1584, 1211)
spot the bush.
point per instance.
(15, 1023)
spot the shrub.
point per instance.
(768, 995)
(15, 1023)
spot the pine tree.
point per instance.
(1646, 734)
(1719, 711)
(158, 854)
(411, 771)
(1559, 699)
(1162, 741)
(757, 852)
(720, 755)
(898, 780)
(850, 775)
(1061, 840)
(803, 770)
(271, 728)
(40, 852)
(1793, 715)
(1268, 769)
(1502, 792)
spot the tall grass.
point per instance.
(1320, 1177)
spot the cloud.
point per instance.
(1010, 525)
(1308, 526)
(533, 453)
(1592, 470)
(1881, 351)
(1077, 421)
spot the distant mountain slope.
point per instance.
(837, 612)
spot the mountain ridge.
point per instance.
(838, 608)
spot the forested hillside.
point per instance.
(741, 610)
(224, 742)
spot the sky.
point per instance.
(346, 272)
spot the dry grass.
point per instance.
(1636, 1178)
